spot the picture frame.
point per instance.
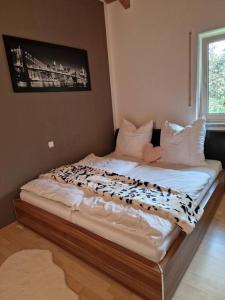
(44, 67)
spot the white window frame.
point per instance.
(204, 39)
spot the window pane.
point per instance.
(216, 73)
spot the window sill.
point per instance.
(215, 126)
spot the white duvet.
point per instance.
(155, 228)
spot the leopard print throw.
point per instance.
(165, 202)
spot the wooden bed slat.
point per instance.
(179, 257)
(132, 270)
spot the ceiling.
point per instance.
(125, 3)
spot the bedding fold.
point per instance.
(142, 232)
(152, 198)
(82, 205)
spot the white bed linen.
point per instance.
(121, 235)
(129, 227)
(166, 175)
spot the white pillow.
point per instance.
(131, 140)
(183, 145)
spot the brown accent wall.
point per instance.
(78, 122)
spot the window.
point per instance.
(211, 76)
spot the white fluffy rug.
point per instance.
(32, 275)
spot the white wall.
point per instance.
(148, 53)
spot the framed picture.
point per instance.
(42, 67)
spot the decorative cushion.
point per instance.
(131, 140)
(151, 154)
(183, 145)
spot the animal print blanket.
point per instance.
(165, 202)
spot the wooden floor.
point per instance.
(205, 278)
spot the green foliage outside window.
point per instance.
(216, 84)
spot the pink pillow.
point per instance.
(150, 153)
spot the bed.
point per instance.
(151, 272)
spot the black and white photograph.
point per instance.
(43, 67)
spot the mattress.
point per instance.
(142, 233)
(139, 244)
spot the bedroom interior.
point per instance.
(136, 210)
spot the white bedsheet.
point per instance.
(121, 235)
(124, 225)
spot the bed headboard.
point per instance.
(214, 143)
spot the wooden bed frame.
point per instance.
(149, 280)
